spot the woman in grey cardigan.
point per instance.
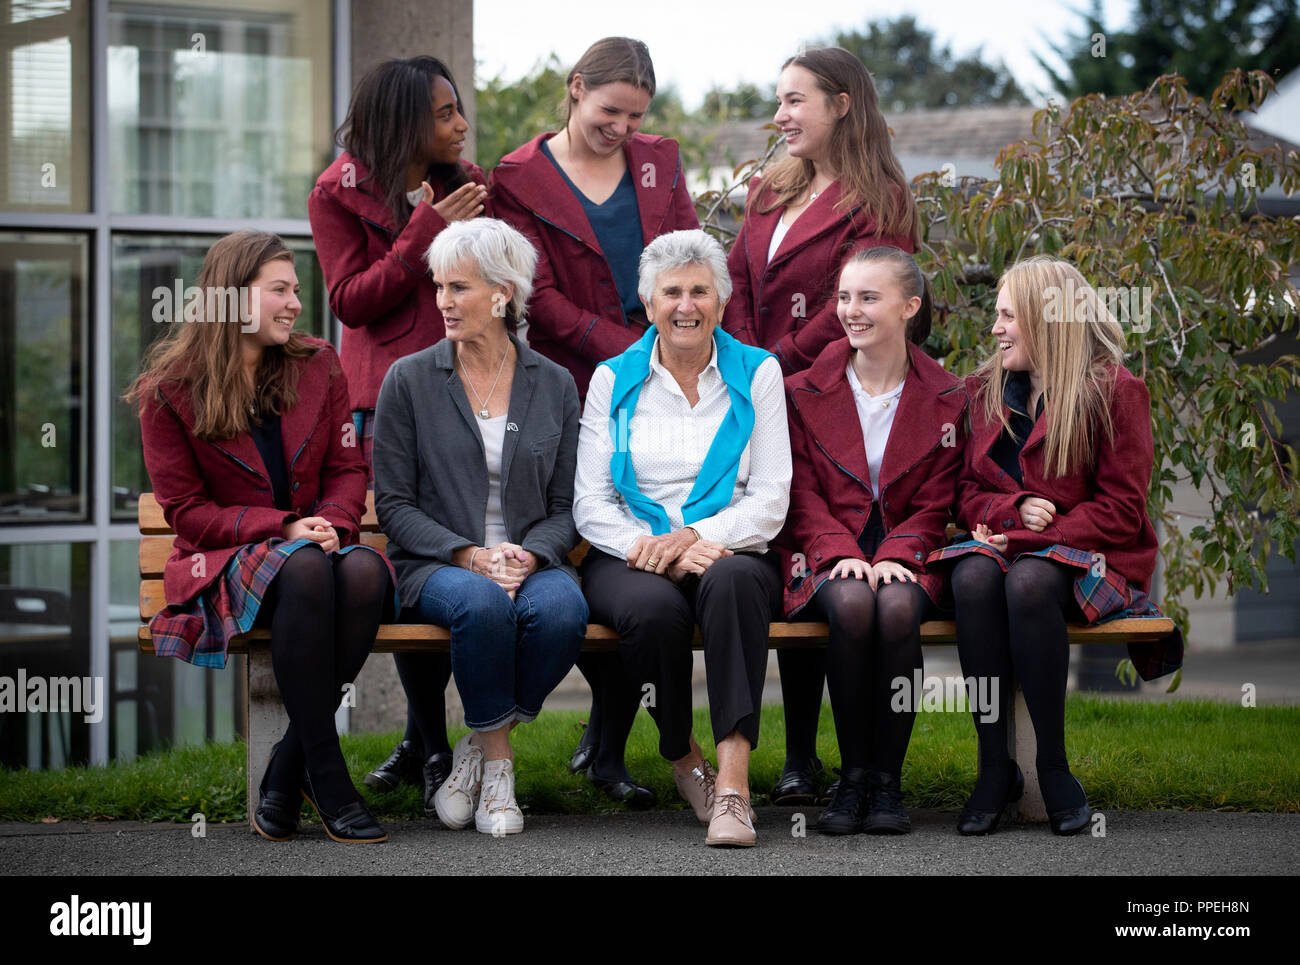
(475, 446)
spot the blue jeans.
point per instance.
(506, 655)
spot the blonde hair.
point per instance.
(1074, 341)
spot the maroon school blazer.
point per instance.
(217, 495)
(1102, 510)
(379, 286)
(830, 495)
(787, 306)
(574, 315)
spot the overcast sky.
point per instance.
(697, 44)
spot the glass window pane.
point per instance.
(45, 105)
(218, 113)
(44, 648)
(43, 376)
(144, 266)
(157, 701)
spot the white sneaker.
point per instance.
(498, 814)
(457, 798)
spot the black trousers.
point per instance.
(734, 603)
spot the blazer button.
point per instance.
(917, 556)
(817, 556)
(886, 504)
(295, 487)
(1008, 522)
(763, 310)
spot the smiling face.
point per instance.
(275, 288)
(605, 117)
(685, 309)
(449, 127)
(871, 305)
(805, 115)
(471, 308)
(1011, 346)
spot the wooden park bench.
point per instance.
(266, 720)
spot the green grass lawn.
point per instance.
(1193, 755)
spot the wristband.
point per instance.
(471, 558)
(695, 532)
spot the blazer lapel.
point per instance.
(241, 450)
(538, 185)
(297, 425)
(818, 218)
(445, 356)
(521, 396)
(831, 414)
(652, 200)
(922, 412)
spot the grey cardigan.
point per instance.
(431, 482)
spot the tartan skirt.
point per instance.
(200, 631)
(1101, 593)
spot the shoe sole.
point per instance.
(498, 832)
(447, 821)
(837, 832)
(728, 843)
(269, 837)
(331, 833)
(789, 800)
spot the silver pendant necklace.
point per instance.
(483, 403)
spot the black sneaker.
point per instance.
(435, 770)
(848, 808)
(404, 766)
(886, 814)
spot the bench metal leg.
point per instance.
(266, 722)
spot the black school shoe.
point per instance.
(798, 787)
(849, 805)
(886, 814)
(353, 824)
(276, 817)
(584, 755)
(404, 766)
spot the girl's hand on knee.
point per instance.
(985, 535)
(888, 571)
(849, 568)
(1036, 514)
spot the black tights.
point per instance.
(1017, 622)
(424, 677)
(323, 611)
(875, 638)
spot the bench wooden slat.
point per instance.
(156, 550)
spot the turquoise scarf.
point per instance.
(716, 482)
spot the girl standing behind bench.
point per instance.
(374, 212)
(250, 446)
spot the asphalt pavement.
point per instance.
(671, 843)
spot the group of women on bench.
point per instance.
(593, 366)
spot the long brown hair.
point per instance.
(860, 153)
(203, 345)
(1072, 338)
(609, 61)
(390, 124)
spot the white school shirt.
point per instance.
(668, 440)
(782, 229)
(876, 414)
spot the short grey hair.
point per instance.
(677, 249)
(500, 253)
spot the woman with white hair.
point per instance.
(683, 478)
(475, 443)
